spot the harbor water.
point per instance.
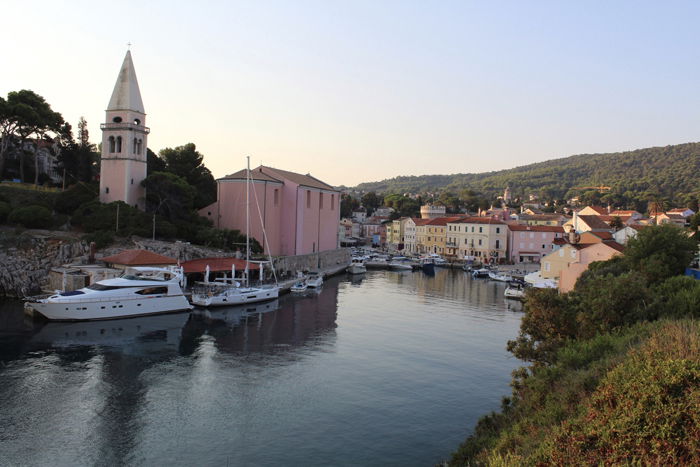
(389, 368)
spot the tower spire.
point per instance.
(126, 94)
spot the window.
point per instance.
(153, 291)
(136, 145)
(117, 119)
(498, 244)
(544, 246)
(479, 242)
(332, 202)
(546, 266)
(119, 144)
(320, 200)
(132, 181)
(277, 196)
(498, 230)
(111, 144)
(522, 234)
(481, 229)
(106, 189)
(472, 228)
(308, 198)
(573, 253)
(532, 234)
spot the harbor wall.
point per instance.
(331, 260)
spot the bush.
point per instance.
(71, 199)
(4, 211)
(32, 217)
(101, 238)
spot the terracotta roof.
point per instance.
(599, 209)
(536, 228)
(623, 213)
(255, 174)
(443, 220)
(478, 220)
(299, 179)
(679, 210)
(542, 217)
(613, 244)
(216, 265)
(611, 218)
(138, 258)
(595, 222)
(422, 221)
(560, 241)
(602, 235)
(638, 226)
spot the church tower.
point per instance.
(124, 142)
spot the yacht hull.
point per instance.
(235, 297)
(111, 309)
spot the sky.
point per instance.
(358, 91)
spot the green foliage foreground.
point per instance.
(615, 368)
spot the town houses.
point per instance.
(560, 246)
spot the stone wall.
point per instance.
(287, 266)
(24, 268)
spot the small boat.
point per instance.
(357, 266)
(139, 291)
(500, 276)
(299, 286)
(481, 272)
(427, 265)
(438, 260)
(314, 279)
(400, 266)
(515, 290)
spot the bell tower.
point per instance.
(124, 142)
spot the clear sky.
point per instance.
(355, 91)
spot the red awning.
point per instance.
(216, 265)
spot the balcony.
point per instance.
(125, 126)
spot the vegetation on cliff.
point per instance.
(614, 372)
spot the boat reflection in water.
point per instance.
(147, 331)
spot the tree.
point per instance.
(25, 115)
(347, 205)
(77, 158)
(154, 163)
(371, 201)
(186, 162)
(616, 223)
(170, 196)
(661, 251)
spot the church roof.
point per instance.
(271, 174)
(126, 94)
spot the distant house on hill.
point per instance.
(300, 214)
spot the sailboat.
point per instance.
(235, 293)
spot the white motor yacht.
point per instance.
(226, 295)
(139, 291)
(357, 266)
(299, 286)
(314, 279)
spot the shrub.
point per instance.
(102, 238)
(32, 217)
(71, 199)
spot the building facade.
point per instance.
(482, 238)
(290, 214)
(530, 243)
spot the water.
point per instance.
(390, 369)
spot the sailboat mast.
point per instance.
(247, 220)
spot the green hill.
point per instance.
(670, 172)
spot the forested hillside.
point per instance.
(669, 173)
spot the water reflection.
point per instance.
(372, 369)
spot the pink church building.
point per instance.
(300, 214)
(124, 142)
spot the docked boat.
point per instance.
(139, 291)
(500, 276)
(314, 279)
(357, 266)
(438, 260)
(299, 286)
(427, 266)
(480, 273)
(400, 266)
(515, 290)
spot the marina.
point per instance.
(338, 376)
